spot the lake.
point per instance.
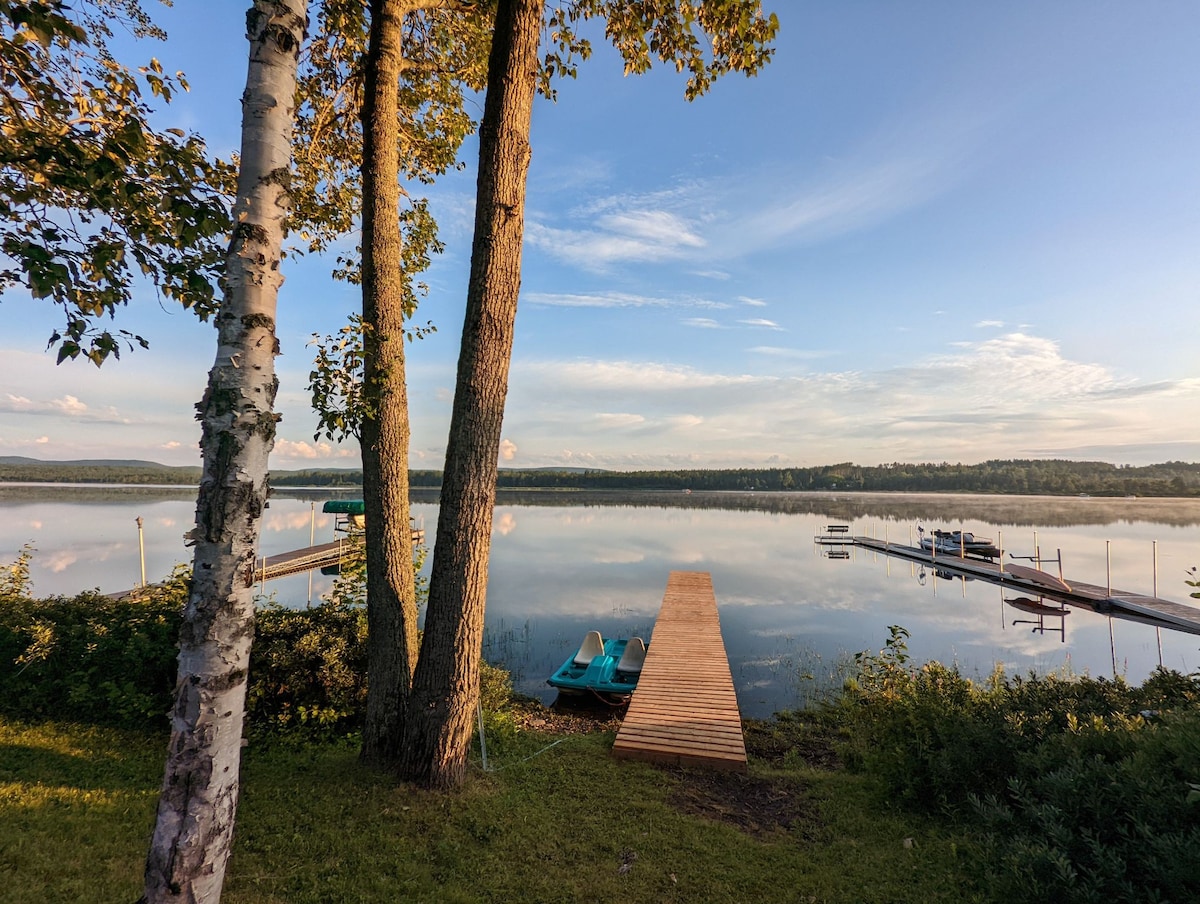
(565, 563)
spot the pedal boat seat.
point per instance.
(634, 657)
(592, 646)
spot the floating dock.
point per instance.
(1123, 603)
(684, 711)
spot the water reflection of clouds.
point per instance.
(280, 521)
(786, 611)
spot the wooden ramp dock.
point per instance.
(684, 711)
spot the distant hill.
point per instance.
(86, 463)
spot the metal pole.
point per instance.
(312, 536)
(1000, 546)
(141, 549)
(1108, 565)
(1157, 630)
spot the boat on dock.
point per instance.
(1042, 579)
(957, 543)
(608, 667)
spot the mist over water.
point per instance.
(792, 618)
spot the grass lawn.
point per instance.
(568, 824)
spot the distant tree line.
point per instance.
(1007, 477)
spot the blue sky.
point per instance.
(929, 231)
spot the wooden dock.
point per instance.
(1122, 603)
(268, 568)
(684, 711)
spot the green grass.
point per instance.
(570, 824)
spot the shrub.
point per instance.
(1082, 789)
(90, 657)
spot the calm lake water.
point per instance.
(565, 563)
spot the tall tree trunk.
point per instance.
(391, 585)
(446, 683)
(193, 832)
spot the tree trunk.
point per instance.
(391, 585)
(193, 832)
(446, 683)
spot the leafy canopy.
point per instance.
(92, 198)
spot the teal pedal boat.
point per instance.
(607, 667)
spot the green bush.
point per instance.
(308, 669)
(97, 660)
(1081, 789)
(90, 658)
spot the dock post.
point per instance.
(141, 549)
(1108, 564)
(1157, 629)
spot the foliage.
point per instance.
(1081, 783)
(15, 580)
(336, 380)
(90, 657)
(92, 198)
(444, 48)
(113, 662)
(308, 670)
(707, 39)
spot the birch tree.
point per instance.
(705, 38)
(197, 805)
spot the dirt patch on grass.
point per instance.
(779, 742)
(760, 807)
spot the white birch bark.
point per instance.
(193, 833)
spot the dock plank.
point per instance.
(684, 710)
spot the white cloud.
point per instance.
(752, 302)
(990, 324)
(1010, 396)
(42, 440)
(508, 450)
(704, 323)
(762, 322)
(289, 451)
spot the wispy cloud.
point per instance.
(990, 324)
(762, 322)
(752, 302)
(637, 237)
(619, 300)
(801, 354)
(704, 323)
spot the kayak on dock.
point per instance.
(609, 667)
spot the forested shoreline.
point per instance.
(1004, 477)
